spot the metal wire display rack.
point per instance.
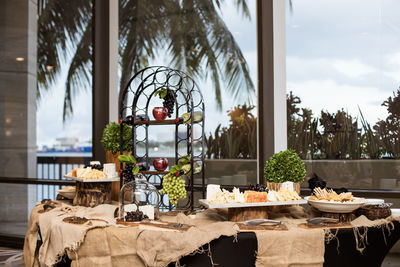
(134, 105)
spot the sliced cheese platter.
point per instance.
(254, 203)
(93, 180)
(93, 183)
(251, 205)
(94, 173)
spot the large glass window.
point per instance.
(64, 99)
(342, 82)
(215, 43)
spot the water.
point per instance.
(64, 154)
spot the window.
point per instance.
(64, 106)
(342, 65)
(216, 45)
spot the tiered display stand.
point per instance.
(136, 99)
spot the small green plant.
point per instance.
(285, 166)
(111, 137)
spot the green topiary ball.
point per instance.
(111, 137)
(285, 166)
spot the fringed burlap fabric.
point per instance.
(115, 245)
(295, 247)
(361, 225)
(57, 236)
(138, 247)
(31, 237)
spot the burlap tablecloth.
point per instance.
(103, 243)
(58, 236)
(107, 244)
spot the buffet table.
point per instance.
(209, 241)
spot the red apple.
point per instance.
(160, 113)
(160, 164)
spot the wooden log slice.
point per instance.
(251, 228)
(343, 217)
(157, 224)
(325, 226)
(248, 213)
(92, 194)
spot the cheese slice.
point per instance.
(239, 197)
(288, 185)
(212, 191)
(81, 172)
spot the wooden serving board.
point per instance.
(161, 225)
(251, 228)
(325, 226)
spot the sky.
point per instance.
(340, 54)
(344, 54)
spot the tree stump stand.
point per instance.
(91, 194)
(244, 214)
(343, 217)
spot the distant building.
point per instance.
(67, 141)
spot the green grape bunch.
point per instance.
(174, 186)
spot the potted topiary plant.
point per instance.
(111, 140)
(111, 144)
(285, 166)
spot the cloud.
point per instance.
(393, 63)
(352, 68)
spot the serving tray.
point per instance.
(251, 205)
(112, 179)
(157, 224)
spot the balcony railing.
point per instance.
(54, 168)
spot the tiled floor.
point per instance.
(392, 260)
(11, 257)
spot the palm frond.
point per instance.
(193, 32)
(79, 73)
(59, 23)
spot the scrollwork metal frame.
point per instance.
(142, 86)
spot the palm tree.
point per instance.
(191, 31)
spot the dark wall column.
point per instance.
(105, 70)
(18, 42)
(271, 46)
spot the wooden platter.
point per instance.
(251, 228)
(325, 225)
(153, 224)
